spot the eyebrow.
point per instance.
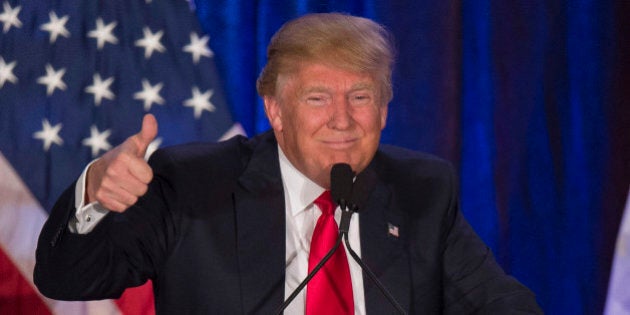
(363, 86)
(355, 87)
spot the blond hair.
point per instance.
(349, 42)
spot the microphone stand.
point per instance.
(343, 232)
(373, 277)
(310, 276)
(344, 226)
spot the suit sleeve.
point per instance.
(123, 250)
(473, 281)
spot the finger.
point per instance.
(116, 199)
(129, 172)
(133, 186)
(138, 143)
(140, 170)
(148, 132)
(115, 206)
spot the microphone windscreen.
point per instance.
(341, 176)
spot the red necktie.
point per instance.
(330, 291)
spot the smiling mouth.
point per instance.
(340, 144)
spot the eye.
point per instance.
(362, 98)
(317, 99)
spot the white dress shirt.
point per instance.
(301, 217)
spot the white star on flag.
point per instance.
(100, 89)
(150, 42)
(6, 72)
(56, 26)
(103, 34)
(150, 94)
(200, 102)
(49, 134)
(9, 17)
(198, 47)
(52, 80)
(97, 140)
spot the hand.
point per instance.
(122, 175)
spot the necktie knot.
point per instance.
(325, 203)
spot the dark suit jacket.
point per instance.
(210, 233)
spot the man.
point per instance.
(232, 227)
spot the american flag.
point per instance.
(392, 230)
(76, 77)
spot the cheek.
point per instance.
(309, 120)
(371, 120)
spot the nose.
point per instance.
(341, 116)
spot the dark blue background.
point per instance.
(527, 98)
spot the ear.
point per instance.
(273, 112)
(383, 113)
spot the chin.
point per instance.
(338, 161)
(352, 165)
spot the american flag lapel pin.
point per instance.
(392, 230)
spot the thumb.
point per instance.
(147, 133)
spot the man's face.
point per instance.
(323, 115)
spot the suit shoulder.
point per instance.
(197, 150)
(401, 160)
(235, 149)
(409, 172)
(231, 155)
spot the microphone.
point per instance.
(340, 190)
(341, 176)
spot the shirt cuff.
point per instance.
(86, 216)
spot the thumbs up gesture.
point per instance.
(122, 175)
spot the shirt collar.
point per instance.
(300, 191)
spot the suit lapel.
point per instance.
(260, 228)
(382, 229)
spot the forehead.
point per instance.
(322, 77)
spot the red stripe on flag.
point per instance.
(17, 296)
(138, 300)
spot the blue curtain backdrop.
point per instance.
(527, 98)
